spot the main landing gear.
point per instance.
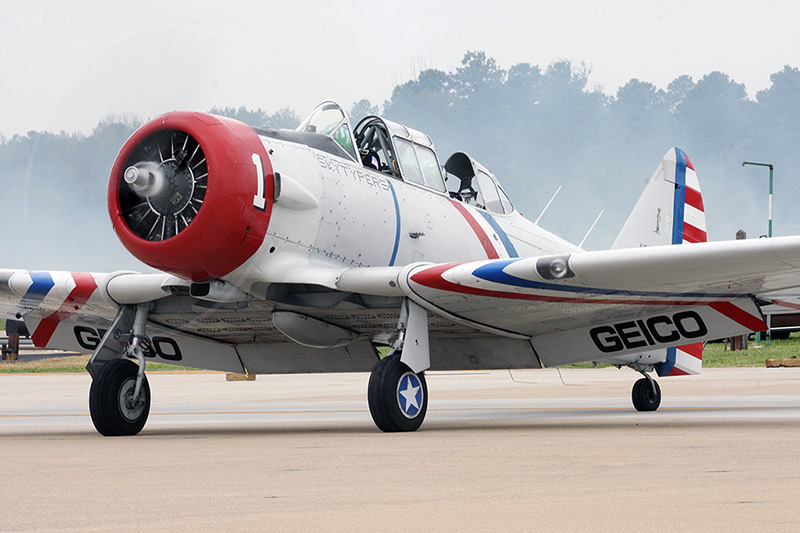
(397, 393)
(646, 394)
(397, 397)
(115, 407)
(119, 398)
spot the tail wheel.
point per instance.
(646, 395)
(397, 397)
(114, 410)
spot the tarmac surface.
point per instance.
(523, 451)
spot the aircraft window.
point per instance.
(329, 119)
(408, 161)
(469, 182)
(460, 173)
(323, 120)
(488, 192)
(373, 141)
(430, 168)
(460, 188)
(507, 207)
(345, 140)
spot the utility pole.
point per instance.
(769, 231)
(769, 228)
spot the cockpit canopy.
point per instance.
(329, 119)
(403, 152)
(472, 183)
(409, 155)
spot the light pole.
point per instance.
(769, 229)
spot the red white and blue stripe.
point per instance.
(689, 226)
(48, 299)
(689, 217)
(486, 228)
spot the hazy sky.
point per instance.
(66, 65)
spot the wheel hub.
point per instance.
(131, 408)
(409, 395)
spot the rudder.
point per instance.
(670, 210)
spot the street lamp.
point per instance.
(769, 232)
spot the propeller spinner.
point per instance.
(163, 190)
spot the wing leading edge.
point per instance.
(569, 304)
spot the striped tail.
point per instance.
(670, 211)
(689, 224)
(688, 228)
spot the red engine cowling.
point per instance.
(191, 194)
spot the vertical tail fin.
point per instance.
(669, 211)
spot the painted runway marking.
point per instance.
(438, 409)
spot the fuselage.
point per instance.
(335, 212)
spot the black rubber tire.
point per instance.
(385, 399)
(644, 399)
(109, 414)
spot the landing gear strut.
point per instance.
(397, 393)
(119, 398)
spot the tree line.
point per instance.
(539, 128)
(535, 128)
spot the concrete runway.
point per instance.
(301, 453)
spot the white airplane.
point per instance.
(307, 250)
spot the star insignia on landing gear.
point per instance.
(410, 394)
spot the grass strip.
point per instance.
(715, 355)
(73, 364)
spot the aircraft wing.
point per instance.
(212, 326)
(575, 307)
(595, 305)
(74, 310)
